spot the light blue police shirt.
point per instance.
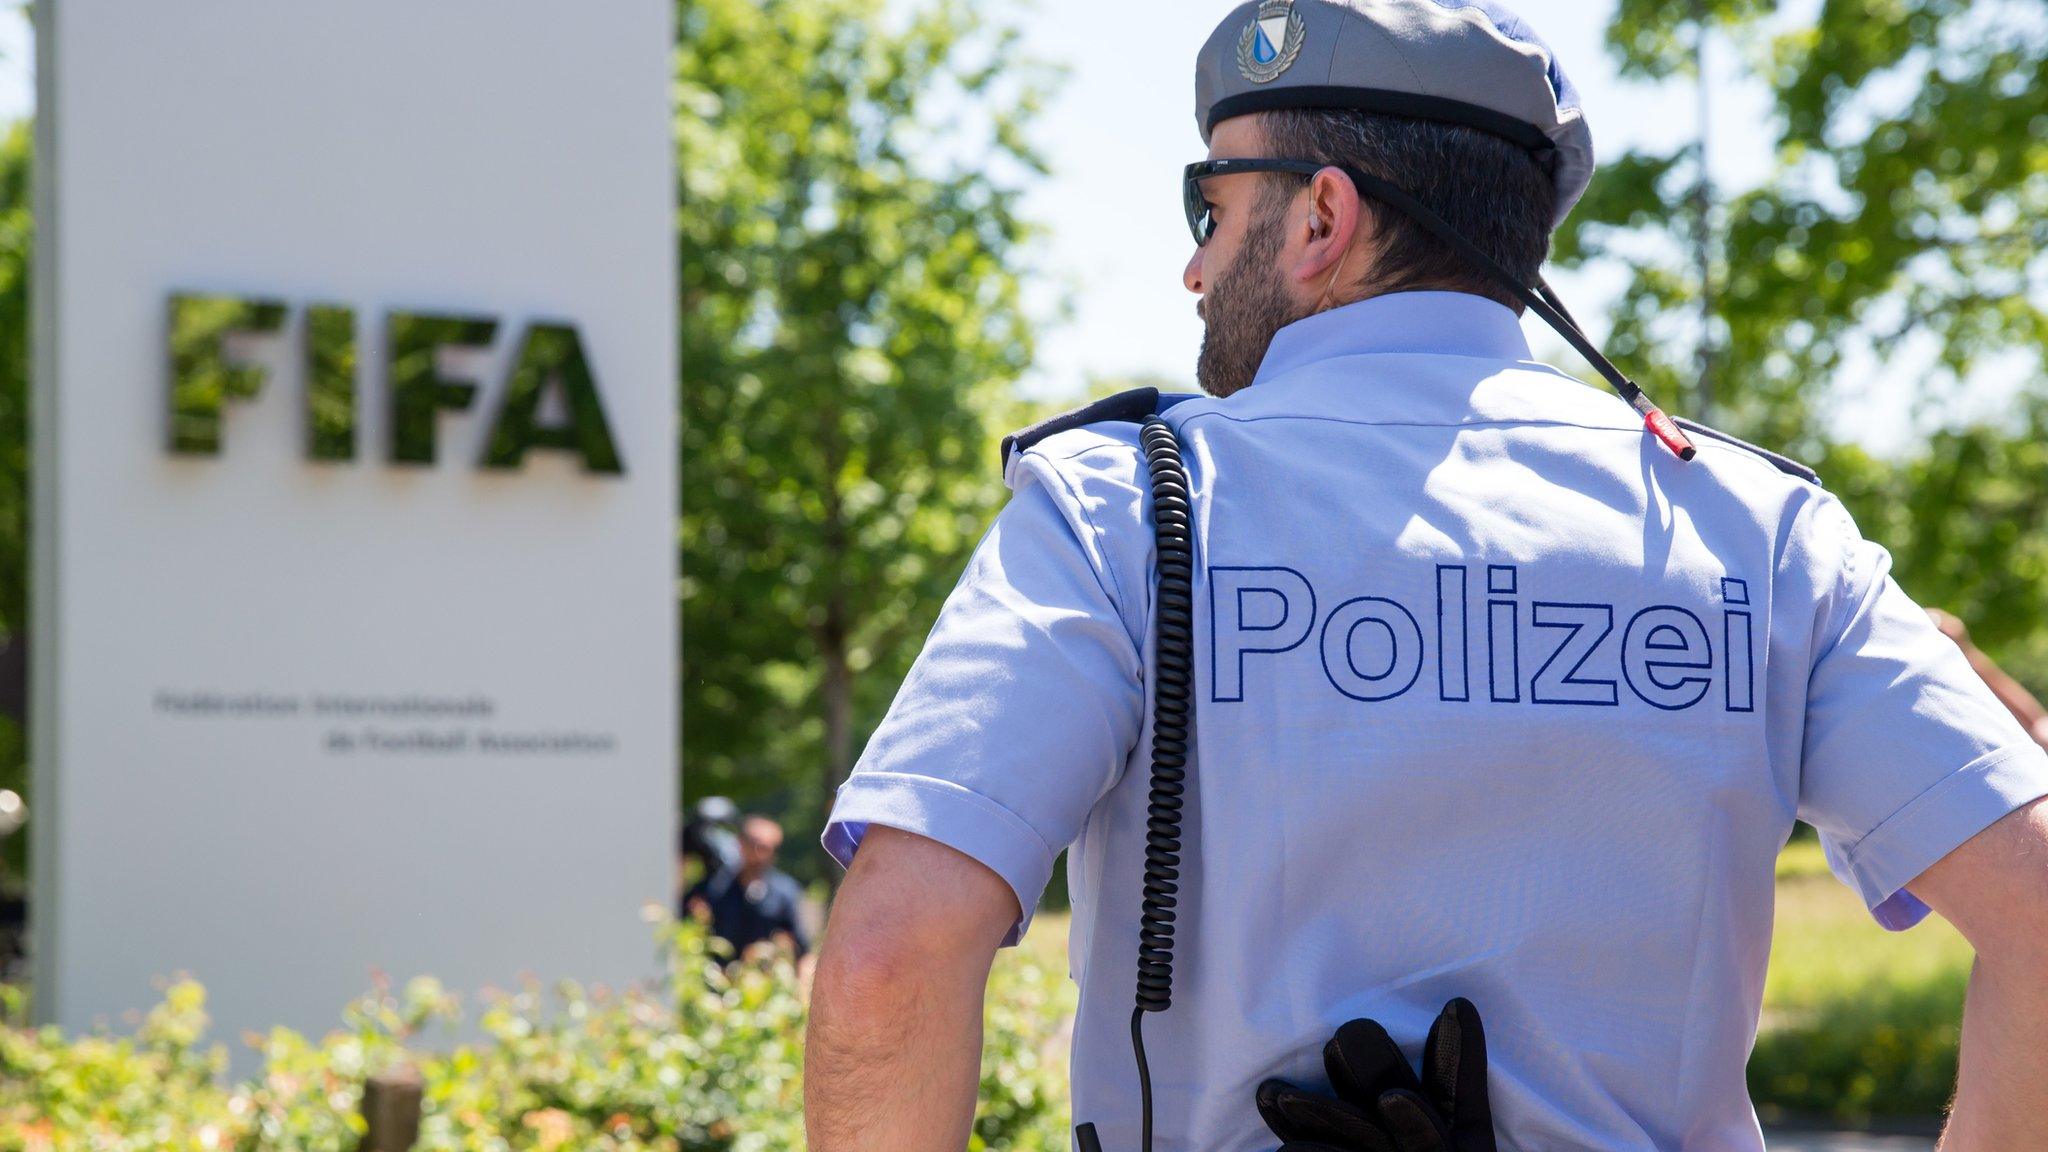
(1496, 698)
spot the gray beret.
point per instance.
(1467, 62)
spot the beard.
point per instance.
(1245, 308)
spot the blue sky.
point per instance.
(1122, 125)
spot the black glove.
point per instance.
(1379, 1105)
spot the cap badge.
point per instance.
(1270, 42)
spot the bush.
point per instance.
(710, 1061)
(1881, 1051)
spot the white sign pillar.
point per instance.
(354, 623)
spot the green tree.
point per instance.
(850, 250)
(1901, 227)
(17, 240)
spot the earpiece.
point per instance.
(1317, 229)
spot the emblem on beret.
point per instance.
(1270, 42)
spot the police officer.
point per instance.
(710, 837)
(1499, 696)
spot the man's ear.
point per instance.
(1335, 218)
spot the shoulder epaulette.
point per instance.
(1785, 464)
(1125, 408)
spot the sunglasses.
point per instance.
(1201, 217)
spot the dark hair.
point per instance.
(1492, 191)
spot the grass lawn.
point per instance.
(1860, 1024)
(1826, 946)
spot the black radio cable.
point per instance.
(1173, 717)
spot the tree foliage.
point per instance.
(17, 242)
(850, 252)
(1901, 230)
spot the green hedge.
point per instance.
(1874, 1053)
(709, 1061)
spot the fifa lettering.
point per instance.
(211, 368)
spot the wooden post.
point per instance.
(391, 1106)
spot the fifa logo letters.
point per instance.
(210, 368)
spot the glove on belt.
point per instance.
(1379, 1105)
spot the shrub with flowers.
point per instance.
(708, 1060)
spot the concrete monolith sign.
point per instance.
(354, 618)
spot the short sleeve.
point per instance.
(1907, 754)
(1020, 712)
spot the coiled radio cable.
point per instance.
(1173, 718)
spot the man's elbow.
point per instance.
(864, 969)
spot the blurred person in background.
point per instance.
(710, 844)
(752, 902)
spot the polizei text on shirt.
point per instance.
(1484, 640)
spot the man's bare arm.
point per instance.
(1994, 889)
(892, 1059)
